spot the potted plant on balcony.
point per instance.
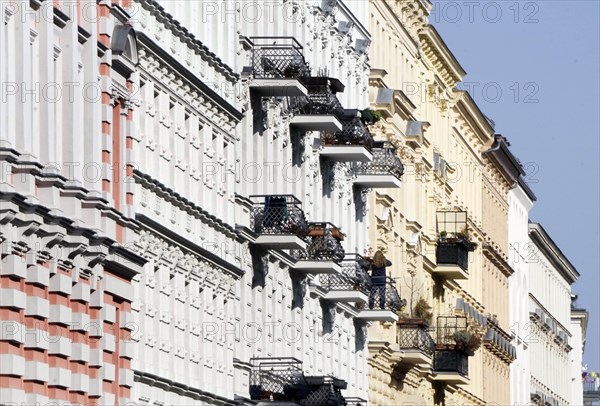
(316, 231)
(462, 339)
(337, 233)
(473, 344)
(328, 138)
(465, 237)
(421, 314)
(369, 116)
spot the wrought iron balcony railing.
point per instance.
(325, 391)
(278, 214)
(323, 244)
(451, 361)
(453, 252)
(278, 57)
(353, 276)
(277, 379)
(321, 99)
(354, 131)
(385, 161)
(383, 295)
(414, 337)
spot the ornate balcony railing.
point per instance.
(277, 379)
(278, 214)
(325, 391)
(385, 161)
(324, 244)
(451, 361)
(451, 355)
(321, 99)
(453, 252)
(414, 336)
(352, 277)
(278, 57)
(354, 131)
(383, 295)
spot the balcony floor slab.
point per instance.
(378, 315)
(316, 122)
(317, 267)
(415, 357)
(346, 153)
(345, 296)
(452, 378)
(451, 271)
(280, 241)
(278, 87)
(378, 181)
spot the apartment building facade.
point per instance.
(521, 200)
(550, 313)
(191, 193)
(216, 254)
(446, 229)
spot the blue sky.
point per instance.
(533, 68)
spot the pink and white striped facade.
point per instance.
(65, 211)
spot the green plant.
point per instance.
(443, 234)
(474, 343)
(422, 310)
(369, 116)
(462, 337)
(463, 234)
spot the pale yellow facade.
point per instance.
(454, 163)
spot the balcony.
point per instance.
(454, 244)
(325, 390)
(352, 143)
(319, 110)
(451, 363)
(324, 252)
(278, 67)
(352, 284)
(384, 302)
(384, 171)
(415, 345)
(282, 380)
(278, 221)
(277, 379)
(591, 388)
(451, 366)
(452, 258)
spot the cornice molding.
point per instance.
(439, 55)
(155, 231)
(177, 69)
(468, 110)
(188, 38)
(552, 252)
(497, 259)
(187, 205)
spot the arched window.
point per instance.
(124, 49)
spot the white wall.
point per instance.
(518, 216)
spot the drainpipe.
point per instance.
(494, 149)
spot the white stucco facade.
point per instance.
(550, 340)
(520, 203)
